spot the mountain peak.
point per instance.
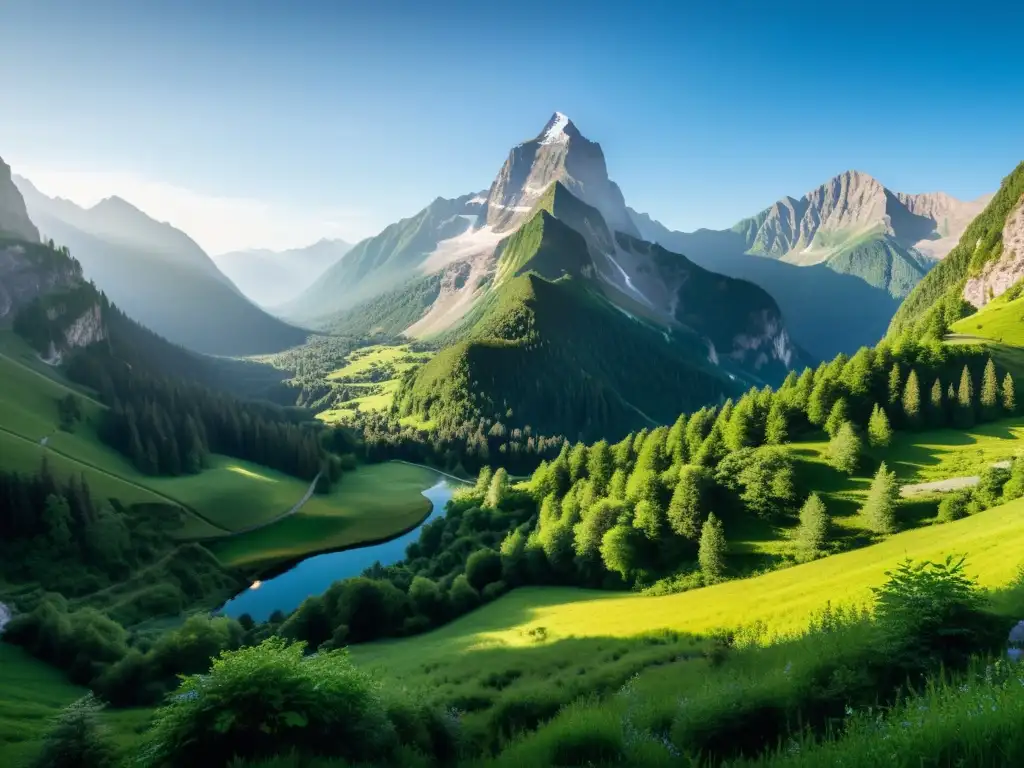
(558, 129)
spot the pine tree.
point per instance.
(879, 430)
(684, 511)
(989, 392)
(713, 548)
(713, 449)
(936, 408)
(1009, 396)
(844, 449)
(777, 423)
(965, 401)
(839, 415)
(912, 400)
(740, 431)
(879, 508)
(496, 490)
(895, 384)
(600, 465)
(812, 535)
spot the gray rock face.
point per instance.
(21, 279)
(997, 276)
(5, 616)
(559, 153)
(14, 218)
(86, 329)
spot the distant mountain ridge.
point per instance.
(272, 278)
(854, 225)
(159, 276)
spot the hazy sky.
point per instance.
(257, 123)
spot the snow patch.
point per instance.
(5, 616)
(629, 283)
(465, 246)
(555, 131)
(478, 200)
(712, 353)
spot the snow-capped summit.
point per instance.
(555, 131)
(559, 153)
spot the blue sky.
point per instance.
(254, 123)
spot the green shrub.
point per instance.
(264, 700)
(76, 739)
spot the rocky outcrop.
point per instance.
(771, 345)
(14, 220)
(559, 153)
(997, 276)
(86, 329)
(5, 616)
(26, 275)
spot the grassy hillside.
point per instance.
(942, 288)
(785, 599)
(376, 371)
(230, 495)
(880, 262)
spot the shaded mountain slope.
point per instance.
(161, 278)
(271, 278)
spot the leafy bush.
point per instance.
(264, 700)
(76, 739)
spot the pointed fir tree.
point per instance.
(895, 384)
(912, 401)
(879, 430)
(936, 407)
(965, 401)
(777, 424)
(812, 535)
(844, 449)
(989, 392)
(839, 415)
(740, 431)
(712, 551)
(879, 508)
(1009, 397)
(684, 511)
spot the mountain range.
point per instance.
(272, 278)
(158, 275)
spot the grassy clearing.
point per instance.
(32, 693)
(372, 503)
(379, 368)
(1000, 320)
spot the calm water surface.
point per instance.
(315, 574)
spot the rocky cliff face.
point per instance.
(26, 275)
(14, 218)
(559, 153)
(999, 275)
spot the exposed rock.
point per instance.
(559, 153)
(14, 218)
(999, 275)
(86, 329)
(5, 616)
(22, 279)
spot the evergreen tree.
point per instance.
(600, 465)
(777, 423)
(712, 551)
(675, 444)
(1009, 396)
(879, 431)
(879, 508)
(497, 489)
(936, 408)
(483, 480)
(844, 449)
(895, 384)
(740, 432)
(649, 518)
(713, 449)
(812, 535)
(839, 415)
(577, 462)
(77, 739)
(684, 511)
(965, 401)
(989, 392)
(912, 401)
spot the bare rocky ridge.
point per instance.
(14, 218)
(558, 153)
(853, 205)
(21, 279)
(999, 275)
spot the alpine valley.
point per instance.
(525, 479)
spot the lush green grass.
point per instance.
(32, 693)
(784, 599)
(358, 368)
(1000, 320)
(374, 502)
(363, 360)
